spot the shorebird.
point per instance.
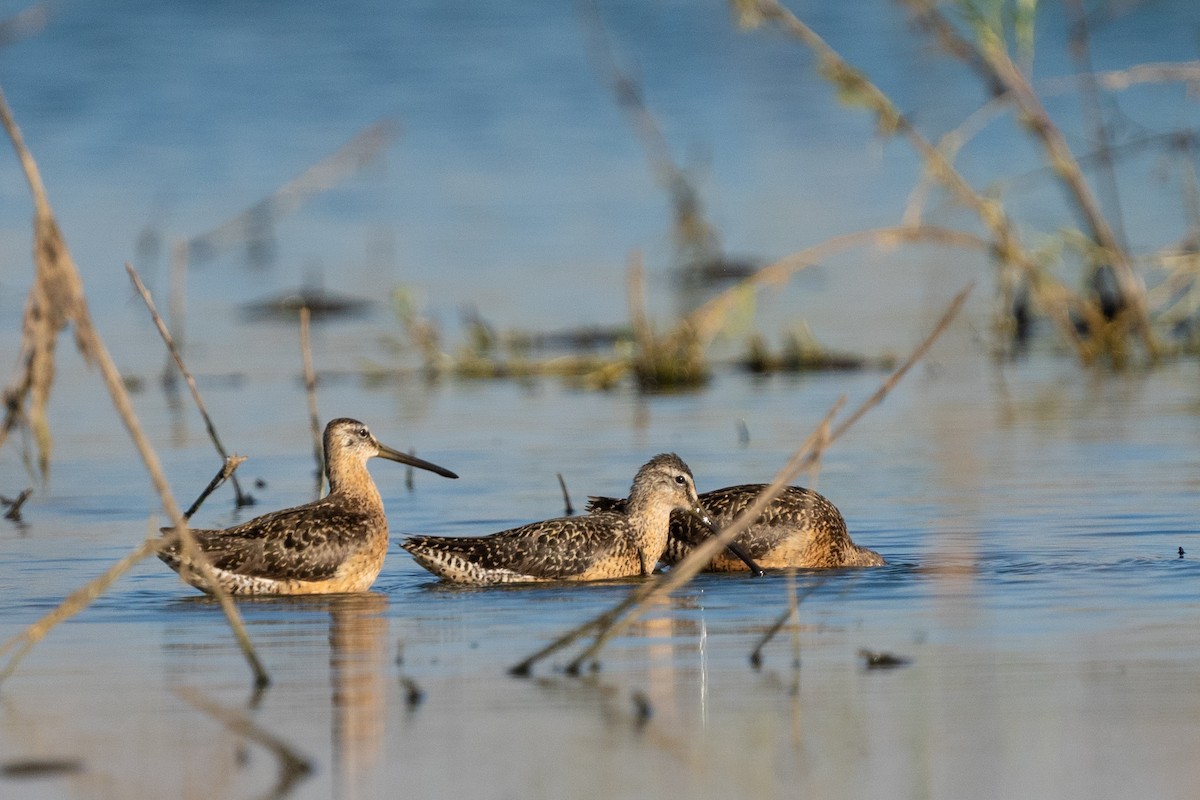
(609, 544)
(332, 545)
(799, 529)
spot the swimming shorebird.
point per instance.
(610, 544)
(332, 545)
(799, 529)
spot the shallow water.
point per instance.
(1032, 518)
(1032, 513)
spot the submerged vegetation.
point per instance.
(1124, 308)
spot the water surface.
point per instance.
(1032, 513)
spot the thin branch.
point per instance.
(615, 619)
(696, 561)
(569, 509)
(994, 55)
(242, 499)
(792, 612)
(310, 391)
(57, 298)
(82, 597)
(225, 473)
(75, 602)
(854, 85)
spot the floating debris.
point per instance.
(643, 710)
(40, 767)
(320, 303)
(716, 270)
(880, 660)
(414, 696)
(14, 508)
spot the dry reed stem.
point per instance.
(310, 392)
(349, 159)
(225, 473)
(75, 602)
(615, 619)
(293, 767)
(57, 298)
(82, 597)
(993, 53)
(14, 505)
(952, 142)
(191, 551)
(791, 613)
(169, 341)
(857, 88)
(700, 557)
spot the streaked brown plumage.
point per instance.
(332, 545)
(800, 529)
(610, 544)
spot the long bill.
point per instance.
(413, 461)
(699, 513)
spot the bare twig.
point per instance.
(225, 473)
(1055, 299)
(310, 391)
(1118, 80)
(792, 612)
(617, 618)
(242, 499)
(14, 505)
(57, 298)
(569, 509)
(82, 597)
(695, 562)
(75, 602)
(993, 54)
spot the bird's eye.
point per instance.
(679, 479)
(363, 433)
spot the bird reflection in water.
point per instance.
(358, 673)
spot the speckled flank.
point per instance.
(332, 545)
(613, 544)
(800, 529)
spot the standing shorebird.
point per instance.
(610, 544)
(799, 529)
(332, 545)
